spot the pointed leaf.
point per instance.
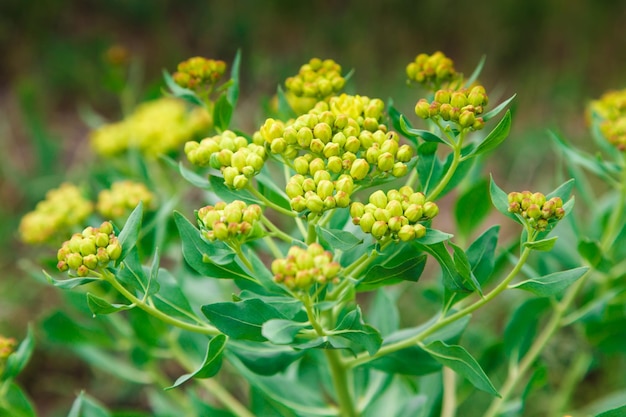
(353, 328)
(472, 206)
(544, 245)
(282, 332)
(68, 284)
(130, 233)
(494, 112)
(233, 91)
(338, 239)
(99, 305)
(222, 113)
(263, 359)
(426, 135)
(481, 254)
(194, 179)
(181, 92)
(500, 201)
(451, 278)
(284, 109)
(521, 329)
(211, 364)
(464, 268)
(243, 319)
(552, 284)
(395, 270)
(429, 167)
(16, 362)
(496, 136)
(461, 362)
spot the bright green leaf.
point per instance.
(494, 112)
(211, 364)
(68, 284)
(464, 268)
(280, 331)
(264, 359)
(222, 113)
(543, 245)
(500, 201)
(481, 254)
(194, 179)
(496, 136)
(426, 135)
(233, 90)
(17, 361)
(15, 403)
(552, 284)
(521, 328)
(181, 92)
(429, 167)
(352, 327)
(99, 305)
(615, 412)
(461, 362)
(338, 239)
(130, 232)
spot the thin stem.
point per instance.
(412, 178)
(448, 408)
(443, 321)
(242, 257)
(276, 252)
(612, 228)
(456, 159)
(268, 203)
(202, 329)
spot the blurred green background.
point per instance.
(555, 54)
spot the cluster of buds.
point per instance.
(343, 137)
(611, 109)
(318, 79)
(396, 214)
(197, 72)
(463, 107)
(63, 208)
(87, 251)
(535, 209)
(233, 155)
(123, 196)
(432, 71)
(302, 268)
(157, 127)
(319, 192)
(229, 222)
(7, 346)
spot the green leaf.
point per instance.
(460, 361)
(496, 136)
(16, 362)
(233, 91)
(196, 250)
(284, 109)
(472, 207)
(563, 191)
(598, 166)
(494, 112)
(211, 364)
(282, 332)
(227, 194)
(429, 168)
(544, 245)
(194, 179)
(352, 327)
(243, 319)
(170, 298)
(615, 412)
(222, 113)
(383, 313)
(451, 278)
(476, 72)
(68, 284)
(181, 92)
(399, 266)
(500, 201)
(409, 132)
(15, 403)
(590, 250)
(85, 406)
(267, 186)
(521, 329)
(99, 305)
(463, 267)
(263, 359)
(552, 284)
(461, 172)
(433, 236)
(481, 254)
(338, 239)
(130, 233)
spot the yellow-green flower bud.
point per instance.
(389, 145)
(443, 96)
(88, 247)
(458, 99)
(378, 198)
(229, 173)
(334, 164)
(345, 184)
(385, 161)
(406, 233)
(430, 209)
(399, 170)
(370, 124)
(102, 240)
(106, 228)
(298, 204)
(413, 212)
(372, 154)
(379, 229)
(74, 260)
(321, 175)
(394, 208)
(342, 199)
(325, 189)
(114, 250)
(103, 256)
(420, 230)
(341, 121)
(331, 149)
(404, 153)
(422, 109)
(315, 203)
(62, 266)
(82, 271)
(75, 242)
(308, 185)
(467, 119)
(90, 261)
(366, 222)
(240, 182)
(305, 136)
(293, 189)
(316, 146)
(382, 214)
(417, 198)
(255, 161)
(323, 132)
(357, 210)
(359, 169)
(396, 222)
(353, 144)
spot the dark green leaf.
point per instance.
(233, 91)
(17, 361)
(590, 250)
(170, 299)
(500, 201)
(429, 168)
(180, 92)
(282, 332)
(351, 327)
(409, 132)
(463, 267)
(494, 112)
(472, 207)
(263, 359)
(243, 319)
(195, 250)
(132, 273)
(481, 254)
(394, 270)
(521, 329)
(130, 233)
(60, 328)
(290, 307)
(410, 361)
(338, 239)
(615, 412)
(461, 362)
(222, 113)
(552, 284)
(15, 403)
(383, 313)
(99, 305)
(544, 245)
(496, 136)
(211, 364)
(267, 186)
(563, 191)
(451, 278)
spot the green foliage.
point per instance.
(327, 284)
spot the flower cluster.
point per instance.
(154, 128)
(233, 155)
(535, 209)
(123, 196)
(432, 71)
(396, 214)
(318, 79)
(63, 208)
(228, 222)
(463, 107)
(93, 248)
(611, 109)
(302, 268)
(336, 143)
(197, 72)
(7, 346)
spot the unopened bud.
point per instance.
(360, 168)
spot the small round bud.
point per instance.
(385, 161)
(359, 169)
(422, 109)
(430, 209)
(378, 198)
(379, 229)
(399, 170)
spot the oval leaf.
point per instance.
(243, 319)
(496, 136)
(281, 332)
(544, 245)
(211, 364)
(552, 284)
(99, 305)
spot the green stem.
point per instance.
(268, 203)
(276, 252)
(202, 329)
(456, 159)
(340, 382)
(242, 257)
(444, 321)
(612, 228)
(311, 234)
(448, 408)
(537, 347)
